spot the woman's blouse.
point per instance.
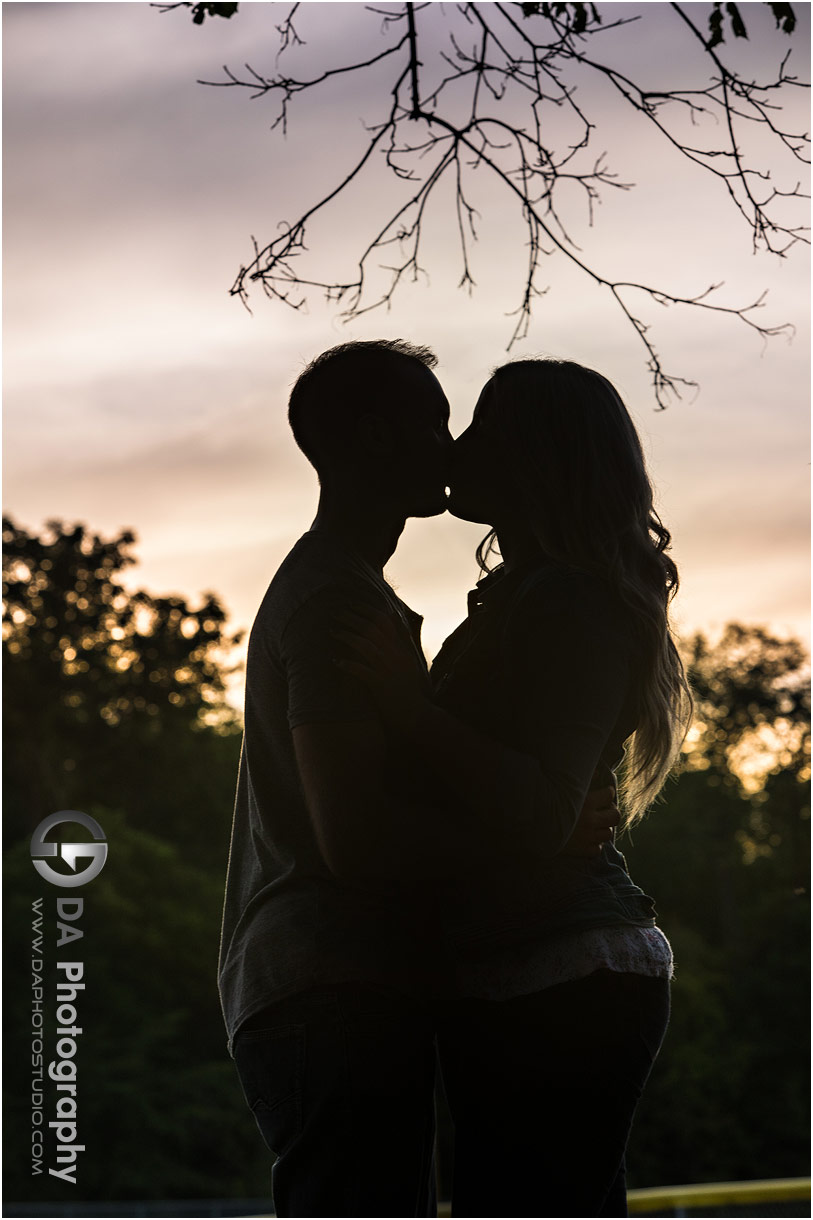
(547, 664)
(529, 968)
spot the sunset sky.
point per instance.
(139, 395)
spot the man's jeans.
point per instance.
(543, 1089)
(341, 1083)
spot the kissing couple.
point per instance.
(423, 874)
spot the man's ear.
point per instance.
(376, 435)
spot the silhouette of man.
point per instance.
(328, 962)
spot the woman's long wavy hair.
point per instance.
(577, 462)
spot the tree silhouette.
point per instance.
(115, 705)
(727, 857)
(496, 96)
(752, 705)
(98, 679)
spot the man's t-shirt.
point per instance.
(288, 922)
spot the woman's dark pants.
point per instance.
(543, 1089)
(341, 1083)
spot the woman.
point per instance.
(561, 979)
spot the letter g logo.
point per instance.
(68, 851)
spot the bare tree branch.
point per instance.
(510, 69)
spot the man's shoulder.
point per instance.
(315, 569)
(313, 562)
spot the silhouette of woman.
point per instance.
(559, 978)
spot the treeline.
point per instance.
(115, 706)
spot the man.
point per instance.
(329, 963)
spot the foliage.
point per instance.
(203, 10)
(785, 20)
(97, 678)
(511, 95)
(752, 698)
(129, 690)
(728, 863)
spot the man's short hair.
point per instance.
(343, 384)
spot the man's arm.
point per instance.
(367, 827)
(369, 821)
(374, 815)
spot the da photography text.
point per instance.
(56, 930)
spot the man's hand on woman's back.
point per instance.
(597, 821)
